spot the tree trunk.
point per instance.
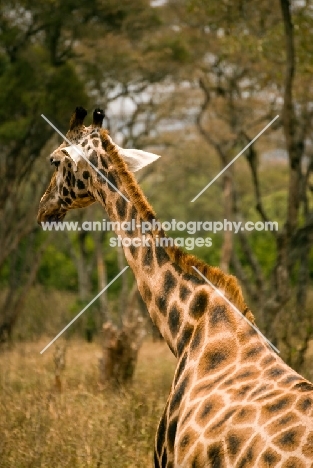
(121, 345)
(292, 334)
(122, 305)
(20, 284)
(102, 277)
(227, 246)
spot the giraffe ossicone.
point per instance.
(233, 402)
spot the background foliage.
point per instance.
(192, 80)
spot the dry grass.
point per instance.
(85, 425)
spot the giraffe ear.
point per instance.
(75, 152)
(137, 159)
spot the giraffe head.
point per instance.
(76, 166)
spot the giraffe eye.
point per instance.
(55, 162)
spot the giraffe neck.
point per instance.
(175, 296)
(157, 277)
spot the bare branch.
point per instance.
(245, 281)
(252, 161)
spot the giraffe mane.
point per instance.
(221, 280)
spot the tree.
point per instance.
(38, 41)
(243, 82)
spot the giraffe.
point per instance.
(233, 402)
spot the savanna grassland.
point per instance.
(84, 424)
